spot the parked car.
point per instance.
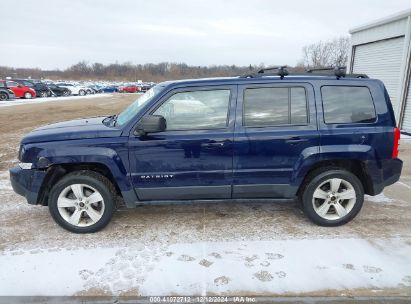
(74, 89)
(109, 89)
(324, 140)
(129, 89)
(41, 89)
(92, 89)
(5, 93)
(145, 87)
(58, 91)
(19, 90)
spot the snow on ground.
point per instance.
(380, 198)
(15, 102)
(405, 138)
(258, 267)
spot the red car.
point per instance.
(19, 90)
(129, 89)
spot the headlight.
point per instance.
(10, 91)
(25, 166)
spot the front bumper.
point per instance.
(27, 182)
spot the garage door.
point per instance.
(381, 60)
(406, 123)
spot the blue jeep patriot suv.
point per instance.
(325, 140)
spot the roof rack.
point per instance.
(282, 71)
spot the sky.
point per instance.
(58, 33)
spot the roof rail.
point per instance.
(282, 71)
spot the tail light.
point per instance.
(396, 145)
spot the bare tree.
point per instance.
(326, 53)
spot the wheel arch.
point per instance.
(355, 166)
(58, 171)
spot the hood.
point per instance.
(73, 129)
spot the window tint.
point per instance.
(298, 106)
(344, 104)
(275, 106)
(196, 110)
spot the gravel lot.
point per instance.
(254, 248)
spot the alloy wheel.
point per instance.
(334, 198)
(80, 205)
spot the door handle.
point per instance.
(296, 139)
(213, 144)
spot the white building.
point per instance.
(382, 50)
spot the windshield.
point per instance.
(131, 111)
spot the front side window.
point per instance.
(196, 110)
(133, 109)
(347, 104)
(27, 84)
(265, 107)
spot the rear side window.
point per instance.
(265, 107)
(345, 104)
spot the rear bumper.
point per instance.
(388, 175)
(27, 182)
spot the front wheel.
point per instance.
(3, 96)
(82, 201)
(332, 197)
(82, 92)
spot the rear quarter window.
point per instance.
(347, 104)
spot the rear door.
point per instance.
(275, 135)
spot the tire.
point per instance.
(326, 206)
(44, 94)
(28, 95)
(3, 96)
(85, 216)
(82, 92)
(66, 93)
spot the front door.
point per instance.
(16, 88)
(192, 159)
(275, 136)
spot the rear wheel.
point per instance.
(66, 93)
(332, 197)
(82, 92)
(44, 94)
(82, 202)
(3, 96)
(28, 95)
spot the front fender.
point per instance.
(108, 152)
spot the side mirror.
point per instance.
(150, 124)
